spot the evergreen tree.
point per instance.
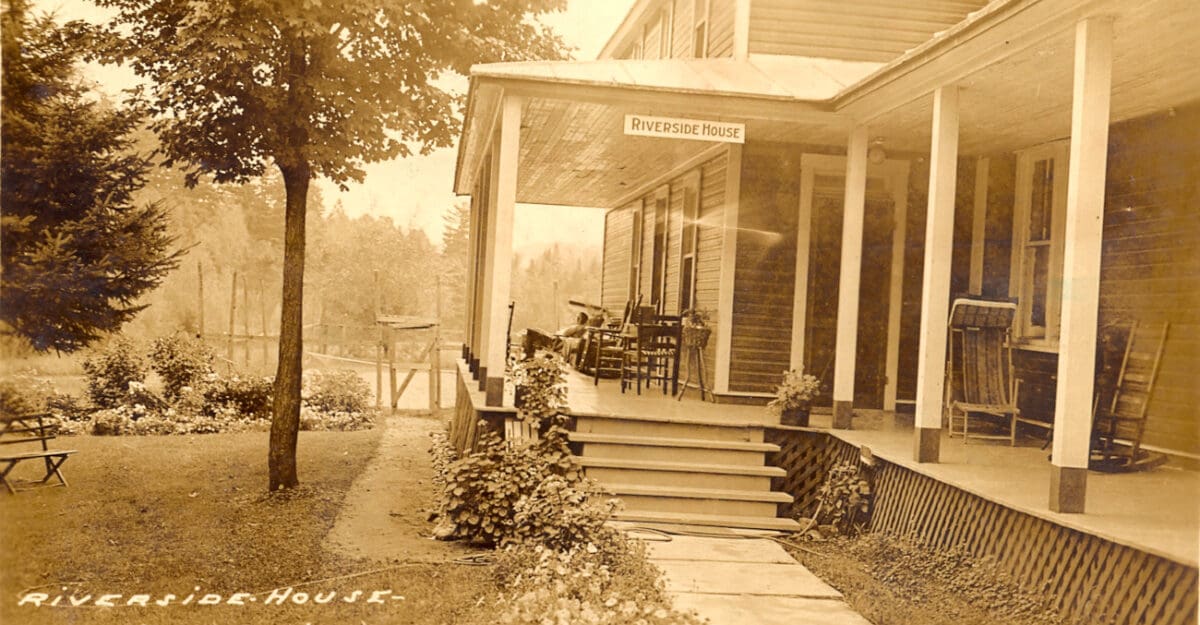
(77, 253)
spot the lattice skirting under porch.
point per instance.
(1088, 577)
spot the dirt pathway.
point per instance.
(385, 514)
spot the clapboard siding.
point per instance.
(681, 35)
(674, 234)
(1151, 263)
(765, 272)
(720, 28)
(618, 232)
(861, 30)
(708, 253)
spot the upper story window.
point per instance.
(700, 11)
(1038, 233)
(666, 28)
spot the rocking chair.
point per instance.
(1120, 422)
(981, 389)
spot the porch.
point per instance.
(1155, 512)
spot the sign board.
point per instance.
(680, 128)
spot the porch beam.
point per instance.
(935, 293)
(850, 277)
(1081, 263)
(628, 99)
(725, 288)
(500, 243)
(979, 226)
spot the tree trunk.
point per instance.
(285, 423)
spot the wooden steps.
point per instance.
(683, 470)
(711, 520)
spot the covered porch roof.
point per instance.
(1012, 61)
(573, 150)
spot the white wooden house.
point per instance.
(884, 155)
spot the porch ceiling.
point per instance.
(1026, 99)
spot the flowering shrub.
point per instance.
(20, 398)
(844, 503)
(796, 390)
(610, 583)
(312, 419)
(249, 396)
(111, 369)
(481, 491)
(180, 361)
(335, 391)
(541, 387)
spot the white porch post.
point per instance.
(468, 350)
(1081, 264)
(500, 248)
(848, 281)
(479, 316)
(487, 260)
(935, 294)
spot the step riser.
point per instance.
(628, 427)
(674, 454)
(680, 479)
(639, 503)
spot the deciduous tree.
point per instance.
(312, 88)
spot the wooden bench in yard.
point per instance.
(26, 429)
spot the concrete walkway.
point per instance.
(745, 581)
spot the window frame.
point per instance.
(700, 25)
(1021, 279)
(687, 257)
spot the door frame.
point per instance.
(895, 174)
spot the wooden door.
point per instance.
(823, 274)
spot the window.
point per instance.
(1038, 232)
(700, 30)
(689, 241)
(658, 276)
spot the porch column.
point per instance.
(472, 262)
(935, 292)
(480, 318)
(504, 190)
(848, 282)
(1081, 264)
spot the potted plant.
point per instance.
(793, 397)
(695, 330)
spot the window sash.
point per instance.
(1037, 242)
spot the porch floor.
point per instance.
(606, 398)
(1156, 511)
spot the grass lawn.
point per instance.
(189, 515)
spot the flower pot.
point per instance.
(794, 416)
(696, 336)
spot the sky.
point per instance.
(416, 191)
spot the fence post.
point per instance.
(262, 306)
(232, 317)
(200, 282)
(246, 319)
(378, 366)
(391, 341)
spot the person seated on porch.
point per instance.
(569, 340)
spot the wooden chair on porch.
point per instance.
(1120, 410)
(607, 345)
(981, 388)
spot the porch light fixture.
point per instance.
(875, 153)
